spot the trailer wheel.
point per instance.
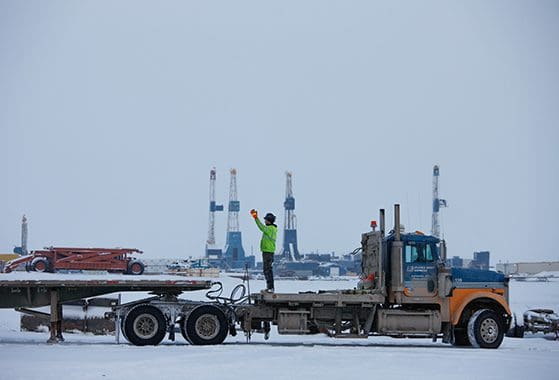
(485, 329)
(206, 325)
(40, 264)
(145, 326)
(135, 267)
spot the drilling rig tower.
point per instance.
(290, 250)
(234, 253)
(212, 252)
(437, 204)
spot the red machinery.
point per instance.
(54, 258)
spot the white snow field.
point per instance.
(25, 355)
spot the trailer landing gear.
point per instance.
(55, 318)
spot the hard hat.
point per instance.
(270, 217)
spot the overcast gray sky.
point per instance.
(113, 112)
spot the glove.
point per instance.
(254, 213)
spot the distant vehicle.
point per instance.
(176, 266)
(52, 259)
(189, 264)
(193, 268)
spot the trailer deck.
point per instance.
(48, 289)
(36, 293)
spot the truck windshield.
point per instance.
(418, 252)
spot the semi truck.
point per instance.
(406, 290)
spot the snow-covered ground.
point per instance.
(26, 355)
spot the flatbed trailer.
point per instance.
(53, 290)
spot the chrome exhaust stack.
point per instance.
(442, 251)
(396, 261)
(382, 222)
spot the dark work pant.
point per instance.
(268, 259)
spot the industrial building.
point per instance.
(528, 268)
(480, 261)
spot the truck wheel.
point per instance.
(205, 325)
(145, 326)
(40, 264)
(485, 329)
(135, 267)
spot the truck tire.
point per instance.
(207, 324)
(135, 268)
(485, 329)
(122, 329)
(40, 264)
(145, 325)
(182, 325)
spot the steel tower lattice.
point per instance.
(234, 253)
(234, 205)
(437, 204)
(211, 250)
(290, 250)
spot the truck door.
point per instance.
(420, 269)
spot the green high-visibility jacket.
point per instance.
(269, 234)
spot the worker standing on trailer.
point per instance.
(267, 245)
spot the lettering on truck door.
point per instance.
(420, 269)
